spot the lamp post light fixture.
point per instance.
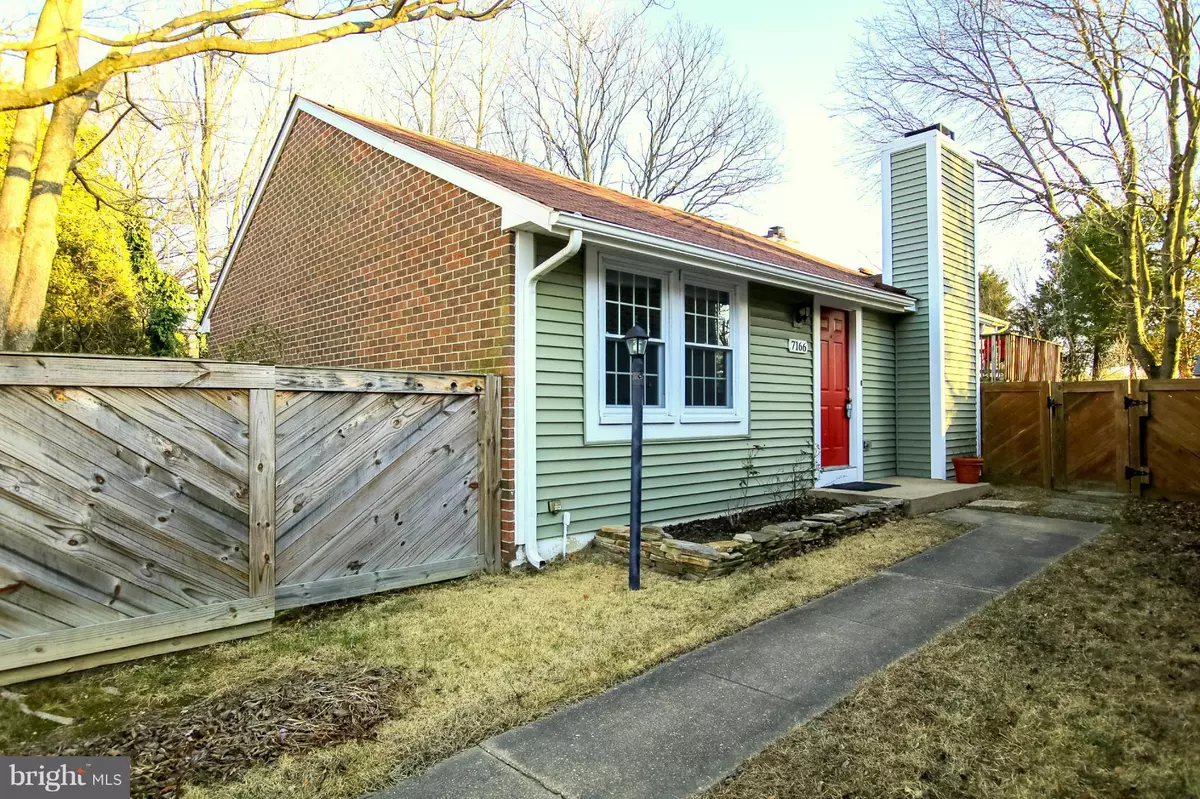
(635, 342)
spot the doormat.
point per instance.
(866, 486)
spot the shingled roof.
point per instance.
(572, 196)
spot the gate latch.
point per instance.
(1131, 472)
(1051, 404)
(1130, 402)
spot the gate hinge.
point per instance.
(1131, 472)
(1130, 402)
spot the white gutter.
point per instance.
(526, 388)
(621, 237)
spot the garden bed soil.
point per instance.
(721, 528)
(221, 738)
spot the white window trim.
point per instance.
(672, 421)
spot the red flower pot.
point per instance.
(967, 470)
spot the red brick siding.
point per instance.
(358, 259)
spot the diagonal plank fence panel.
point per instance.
(1138, 437)
(150, 505)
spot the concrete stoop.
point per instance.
(920, 495)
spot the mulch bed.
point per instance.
(1175, 543)
(1178, 515)
(702, 531)
(220, 738)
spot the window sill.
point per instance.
(617, 430)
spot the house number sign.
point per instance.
(798, 346)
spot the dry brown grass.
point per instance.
(1084, 682)
(480, 656)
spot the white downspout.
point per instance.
(526, 395)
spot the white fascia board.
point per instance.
(620, 237)
(516, 210)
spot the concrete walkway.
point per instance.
(686, 725)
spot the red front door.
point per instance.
(835, 389)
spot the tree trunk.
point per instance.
(22, 153)
(40, 242)
(204, 190)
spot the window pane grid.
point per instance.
(706, 316)
(707, 354)
(632, 299)
(707, 340)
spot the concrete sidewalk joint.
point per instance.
(684, 726)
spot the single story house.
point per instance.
(373, 246)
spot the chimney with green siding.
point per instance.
(929, 251)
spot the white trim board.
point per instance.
(937, 316)
(885, 183)
(525, 391)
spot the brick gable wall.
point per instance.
(358, 259)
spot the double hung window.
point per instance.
(696, 356)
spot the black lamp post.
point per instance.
(635, 342)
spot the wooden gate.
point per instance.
(1165, 439)
(149, 505)
(1016, 433)
(1140, 437)
(374, 490)
(1091, 435)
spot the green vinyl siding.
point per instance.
(910, 271)
(878, 395)
(960, 349)
(682, 479)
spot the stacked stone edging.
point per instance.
(691, 561)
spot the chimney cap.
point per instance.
(945, 131)
(776, 233)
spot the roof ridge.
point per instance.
(685, 217)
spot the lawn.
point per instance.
(1083, 682)
(337, 700)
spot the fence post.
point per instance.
(1058, 436)
(1138, 411)
(262, 491)
(490, 414)
(1046, 433)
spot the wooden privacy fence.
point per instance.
(1009, 357)
(150, 505)
(1139, 437)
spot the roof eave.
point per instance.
(625, 238)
